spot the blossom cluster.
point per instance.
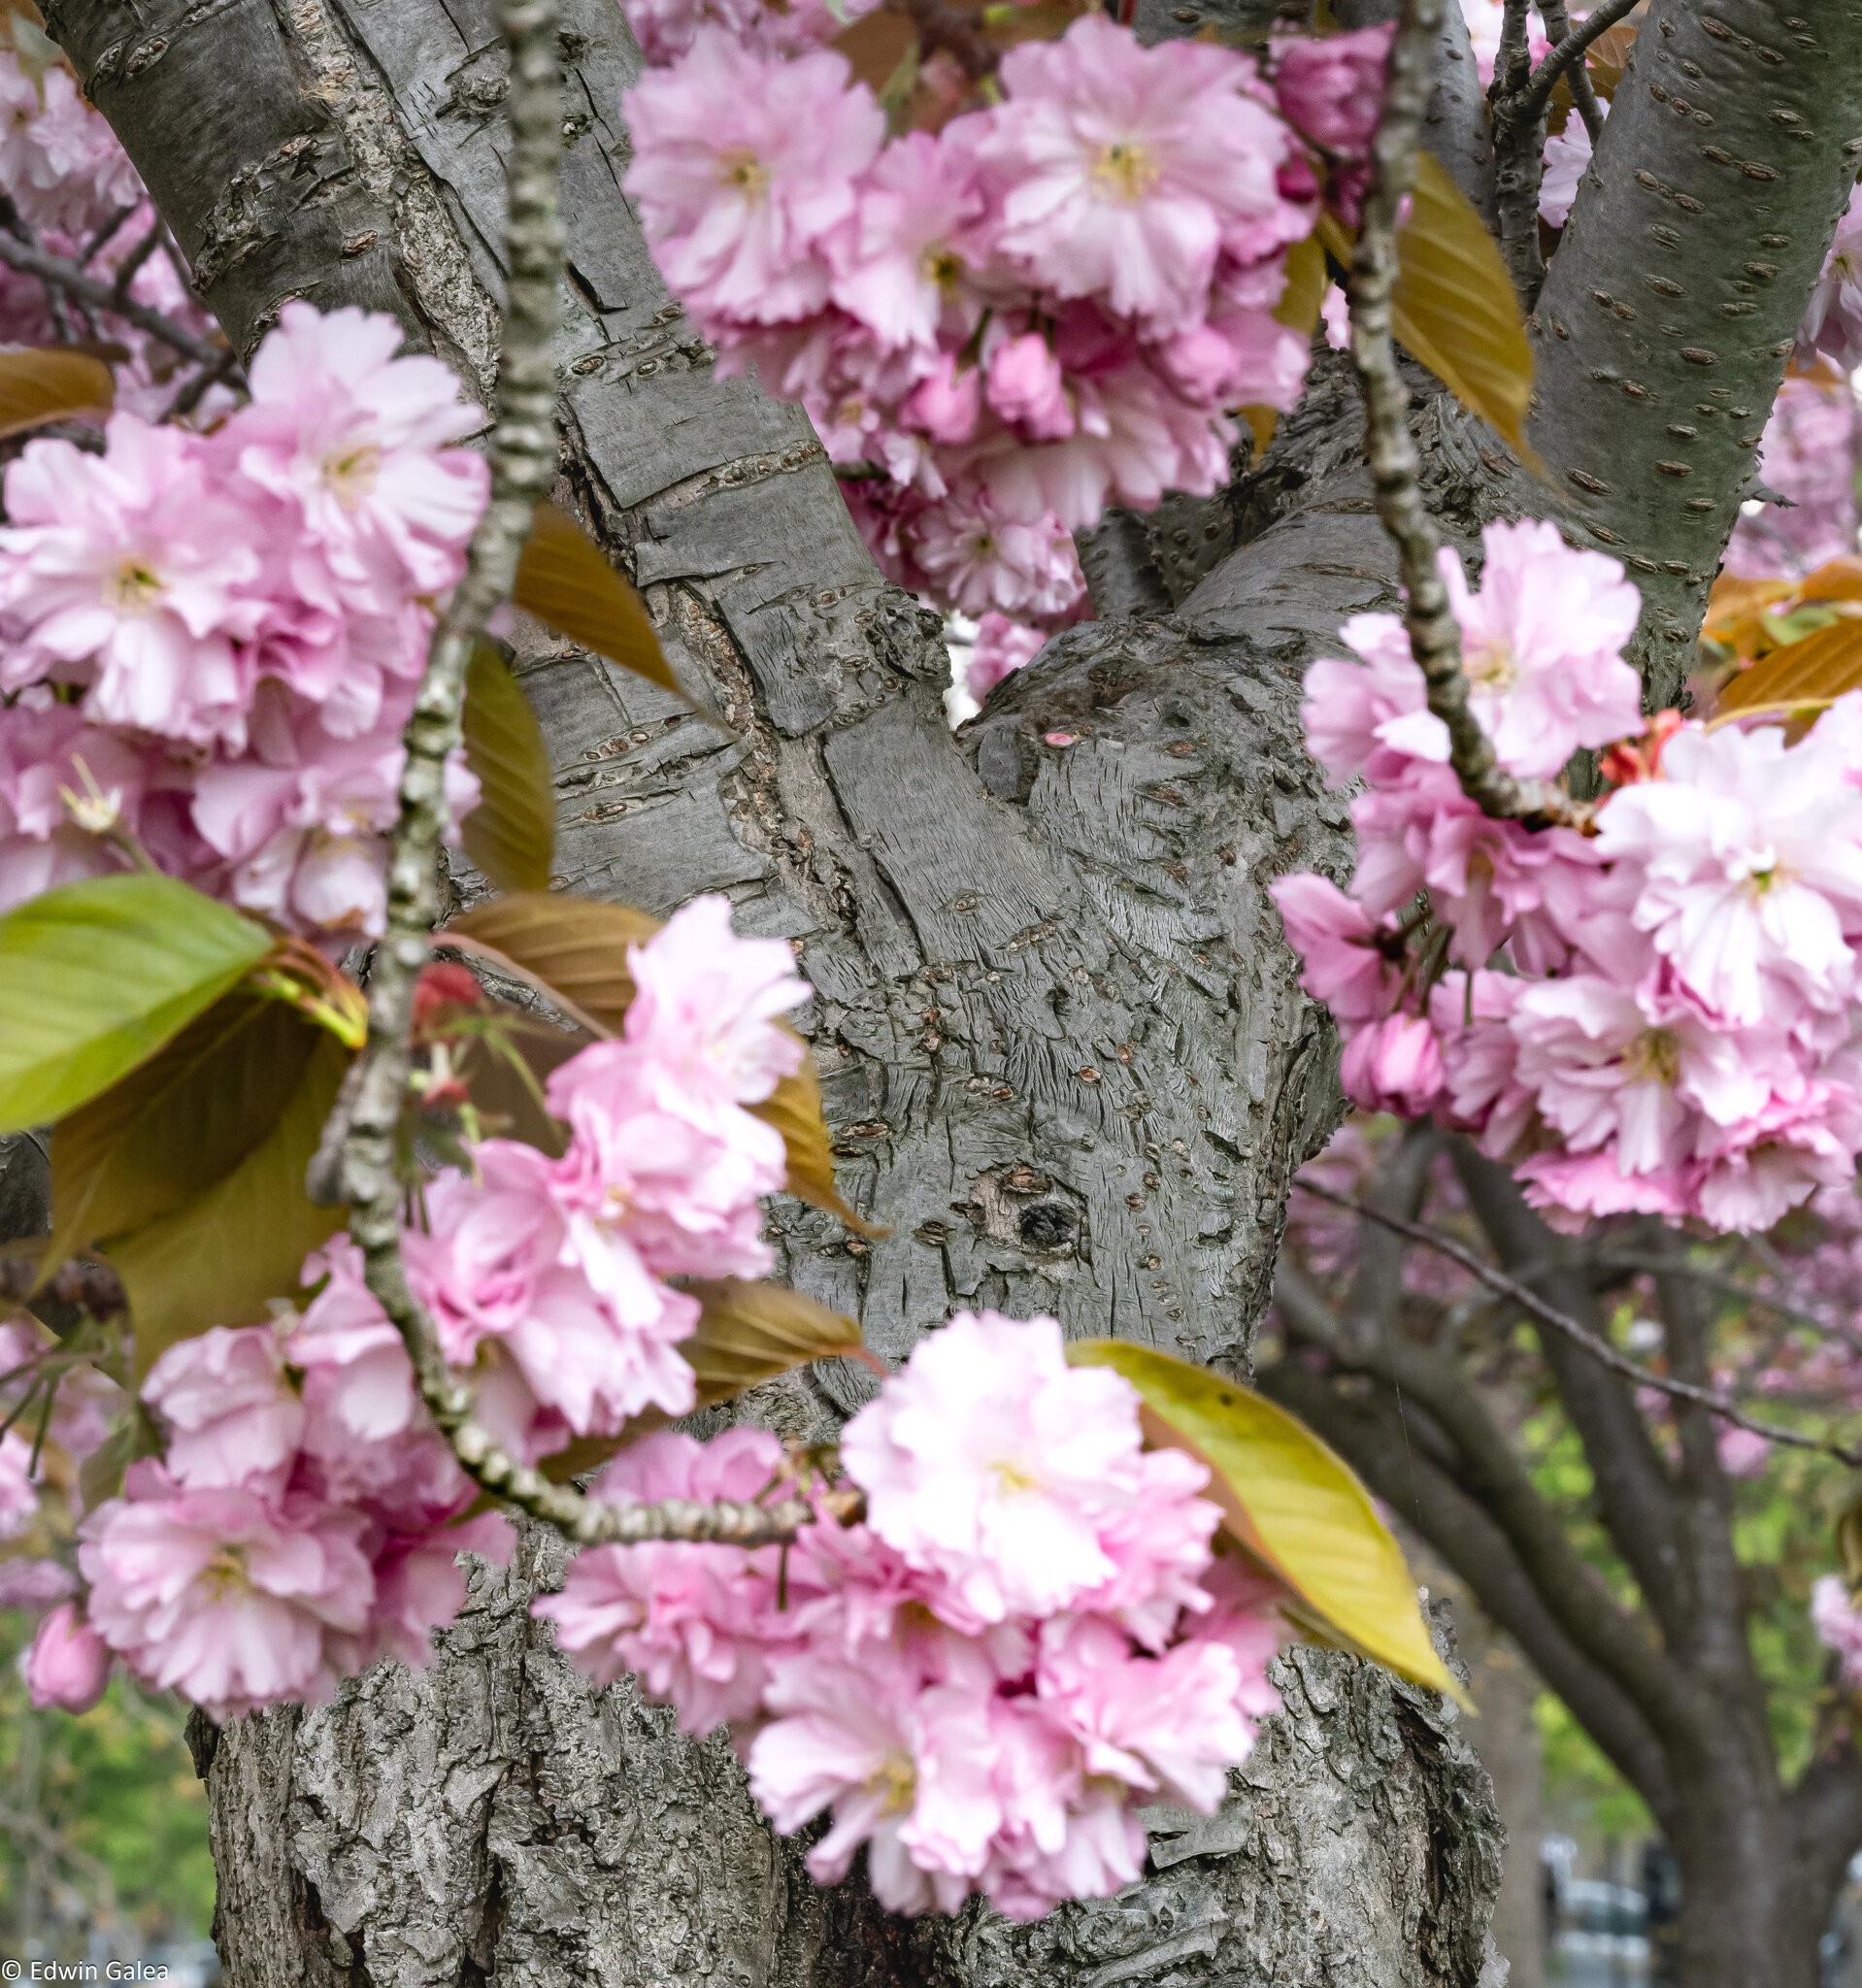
(1659, 1017)
(1026, 1638)
(211, 641)
(1810, 456)
(303, 1515)
(999, 328)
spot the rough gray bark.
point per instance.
(491, 1819)
(1064, 1056)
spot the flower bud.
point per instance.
(68, 1664)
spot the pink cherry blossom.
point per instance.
(706, 1003)
(897, 1762)
(125, 572)
(229, 1416)
(68, 1665)
(743, 167)
(1542, 645)
(1026, 389)
(1393, 1065)
(1169, 1727)
(18, 1494)
(59, 160)
(1568, 154)
(903, 266)
(1124, 171)
(1750, 857)
(1833, 317)
(1001, 648)
(993, 1465)
(224, 1596)
(1336, 943)
(1330, 88)
(495, 1263)
(1838, 1624)
(699, 1625)
(985, 562)
(354, 438)
(1809, 456)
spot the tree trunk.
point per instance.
(1066, 1060)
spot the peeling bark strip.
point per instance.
(1065, 1057)
(1667, 313)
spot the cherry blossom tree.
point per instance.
(806, 313)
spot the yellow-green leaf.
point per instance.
(219, 1258)
(177, 1123)
(751, 1332)
(1455, 309)
(510, 835)
(794, 1109)
(95, 976)
(44, 383)
(1811, 672)
(746, 1333)
(1290, 1500)
(564, 579)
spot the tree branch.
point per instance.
(1597, 1348)
(1370, 1435)
(523, 471)
(1667, 313)
(1487, 1471)
(1635, 1494)
(1435, 640)
(1567, 59)
(1518, 155)
(66, 277)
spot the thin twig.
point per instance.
(1599, 1350)
(1435, 640)
(195, 391)
(1572, 49)
(105, 233)
(1584, 92)
(523, 470)
(131, 265)
(59, 276)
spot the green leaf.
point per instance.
(510, 835)
(95, 976)
(564, 579)
(1290, 1501)
(176, 1124)
(221, 1258)
(1455, 309)
(51, 383)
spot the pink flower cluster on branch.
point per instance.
(1047, 307)
(211, 641)
(1657, 1018)
(303, 1515)
(1026, 1639)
